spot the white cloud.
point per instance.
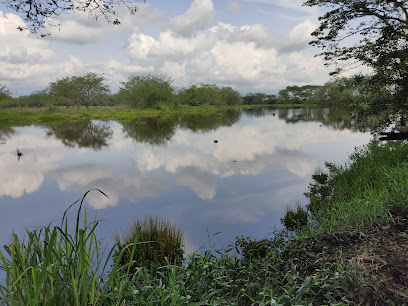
(299, 37)
(81, 28)
(197, 17)
(247, 56)
(27, 174)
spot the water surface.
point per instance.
(171, 167)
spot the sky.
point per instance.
(250, 45)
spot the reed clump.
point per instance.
(53, 266)
(295, 218)
(159, 243)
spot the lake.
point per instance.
(229, 173)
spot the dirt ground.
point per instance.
(381, 252)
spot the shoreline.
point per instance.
(35, 115)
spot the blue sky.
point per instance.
(251, 45)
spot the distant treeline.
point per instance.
(157, 92)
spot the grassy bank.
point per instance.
(122, 113)
(351, 250)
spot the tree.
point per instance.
(4, 92)
(6, 100)
(39, 13)
(82, 90)
(148, 91)
(296, 94)
(341, 91)
(254, 98)
(373, 33)
(212, 94)
(36, 99)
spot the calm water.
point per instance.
(172, 167)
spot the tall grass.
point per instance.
(372, 187)
(53, 266)
(159, 243)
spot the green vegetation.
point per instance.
(210, 94)
(151, 91)
(79, 90)
(259, 98)
(295, 218)
(369, 189)
(155, 92)
(160, 243)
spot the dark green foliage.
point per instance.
(341, 91)
(154, 131)
(253, 248)
(5, 97)
(259, 99)
(158, 242)
(295, 218)
(37, 99)
(372, 33)
(150, 91)
(81, 134)
(211, 94)
(4, 92)
(210, 121)
(296, 94)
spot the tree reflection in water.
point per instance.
(81, 134)
(154, 131)
(210, 122)
(5, 133)
(338, 118)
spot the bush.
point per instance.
(157, 243)
(211, 94)
(149, 91)
(295, 218)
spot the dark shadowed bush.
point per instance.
(295, 218)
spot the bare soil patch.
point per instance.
(381, 253)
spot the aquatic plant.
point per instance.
(158, 242)
(295, 218)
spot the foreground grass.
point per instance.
(352, 207)
(122, 113)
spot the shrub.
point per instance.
(150, 91)
(157, 243)
(295, 218)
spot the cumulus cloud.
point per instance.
(245, 57)
(197, 17)
(81, 28)
(27, 60)
(299, 37)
